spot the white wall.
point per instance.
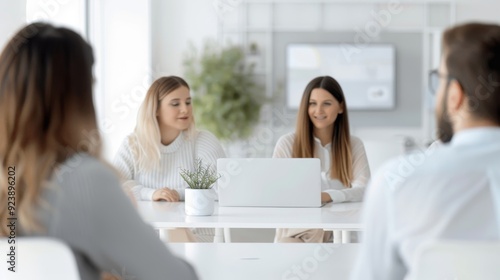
(121, 37)
(479, 10)
(137, 41)
(67, 13)
(13, 17)
(175, 23)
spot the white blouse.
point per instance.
(337, 191)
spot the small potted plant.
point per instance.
(199, 196)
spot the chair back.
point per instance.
(457, 260)
(37, 258)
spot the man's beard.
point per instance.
(444, 125)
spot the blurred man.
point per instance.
(448, 193)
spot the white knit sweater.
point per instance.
(181, 153)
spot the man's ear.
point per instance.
(456, 97)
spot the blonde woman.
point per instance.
(322, 132)
(165, 140)
(52, 170)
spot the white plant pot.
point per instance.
(199, 202)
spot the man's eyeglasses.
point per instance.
(434, 77)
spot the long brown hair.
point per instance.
(46, 112)
(146, 138)
(303, 145)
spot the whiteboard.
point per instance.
(366, 73)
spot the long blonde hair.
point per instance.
(146, 139)
(46, 112)
(303, 146)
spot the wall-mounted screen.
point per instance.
(366, 73)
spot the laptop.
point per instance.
(269, 182)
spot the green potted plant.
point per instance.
(227, 100)
(199, 196)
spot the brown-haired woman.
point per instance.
(322, 132)
(62, 187)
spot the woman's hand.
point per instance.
(325, 198)
(166, 194)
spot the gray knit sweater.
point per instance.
(88, 210)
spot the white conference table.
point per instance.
(264, 261)
(335, 217)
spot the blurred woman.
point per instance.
(61, 187)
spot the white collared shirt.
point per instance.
(337, 191)
(451, 192)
